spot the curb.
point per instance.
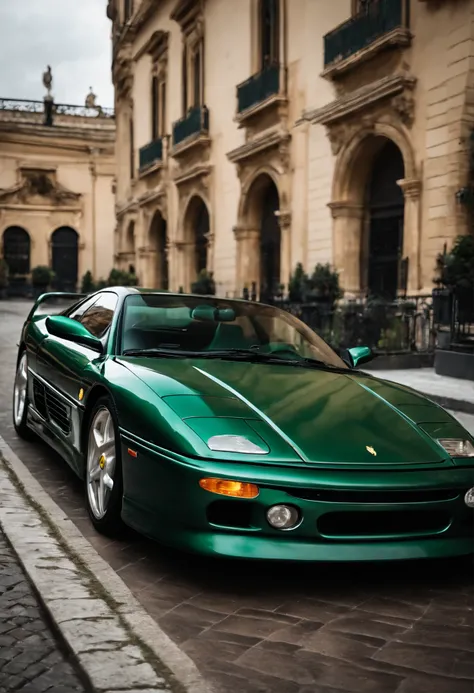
(458, 405)
(117, 645)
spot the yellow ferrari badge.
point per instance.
(81, 395)
(370, 449)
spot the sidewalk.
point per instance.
(451, 393)
(115, 645)
(30, 656)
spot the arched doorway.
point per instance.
(197, 228)
(65, 258)
(159, 257)
(16, 253)
(270, 243)
(385, 214)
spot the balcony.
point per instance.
(150, 155)
(381, 24)
(194, 125)
(258, 89)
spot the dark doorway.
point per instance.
(16, 253)
(386, 209)
(201, 232)
(65, 251)
(159, 243)
(270, 244)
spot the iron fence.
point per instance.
(453, 314)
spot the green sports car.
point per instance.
(229, 428)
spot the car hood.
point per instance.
(325, 416)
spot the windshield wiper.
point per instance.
(161, 353)
(254, 355)
(251, 355)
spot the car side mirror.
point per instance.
(66, 328)
(360, 355)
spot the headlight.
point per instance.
(456, 447)
(230, 443)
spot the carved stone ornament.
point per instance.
(404, 107)
(39, 187)
(338, 135)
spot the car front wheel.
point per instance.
(20, 399)
(103, 478)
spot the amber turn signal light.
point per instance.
(225, 487)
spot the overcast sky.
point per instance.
(73, 36)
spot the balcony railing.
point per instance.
(27, 106)
(150, 154)
(195, 122)
(375, 20)
(258, 88)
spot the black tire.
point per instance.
(110, 523)
(19, 423)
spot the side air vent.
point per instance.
(51, 407)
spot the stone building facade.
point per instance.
(255, 134)
(57, 169)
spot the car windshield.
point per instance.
(179, 324)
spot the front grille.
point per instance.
(51, 407)
(356, 525)
(375, 497)
(227, 513)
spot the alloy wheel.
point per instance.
(101, 462)
(20, 391)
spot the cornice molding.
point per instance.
(361, 99)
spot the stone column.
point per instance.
(248, 257)
(412, 232)
(347, 239)
(284, 221)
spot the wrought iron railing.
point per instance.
(258, 88)
(373, 21)
(27, 106)
(454, 318)
(150, 154)
(195, 122)
(403, 326)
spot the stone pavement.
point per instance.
(31, 659)
(280, 629)
(452, 393)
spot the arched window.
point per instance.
(269, 25)
(16, 251)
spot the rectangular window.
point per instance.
(132, 149)
(155, 125)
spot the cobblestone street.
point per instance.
(257, 628)
(30, 658)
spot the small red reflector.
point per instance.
(132, 453)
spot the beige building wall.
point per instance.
(280, 171)
(51, 177)
(412, 86)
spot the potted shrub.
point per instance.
(324, 285)
(3, 278)
(87, 283)
(298, 286)
(41, 278)
(205, 284)
(122, 278)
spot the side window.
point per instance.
(80, 310)
(98, 317)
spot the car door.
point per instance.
(65, 369)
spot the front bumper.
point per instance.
(345, 515)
